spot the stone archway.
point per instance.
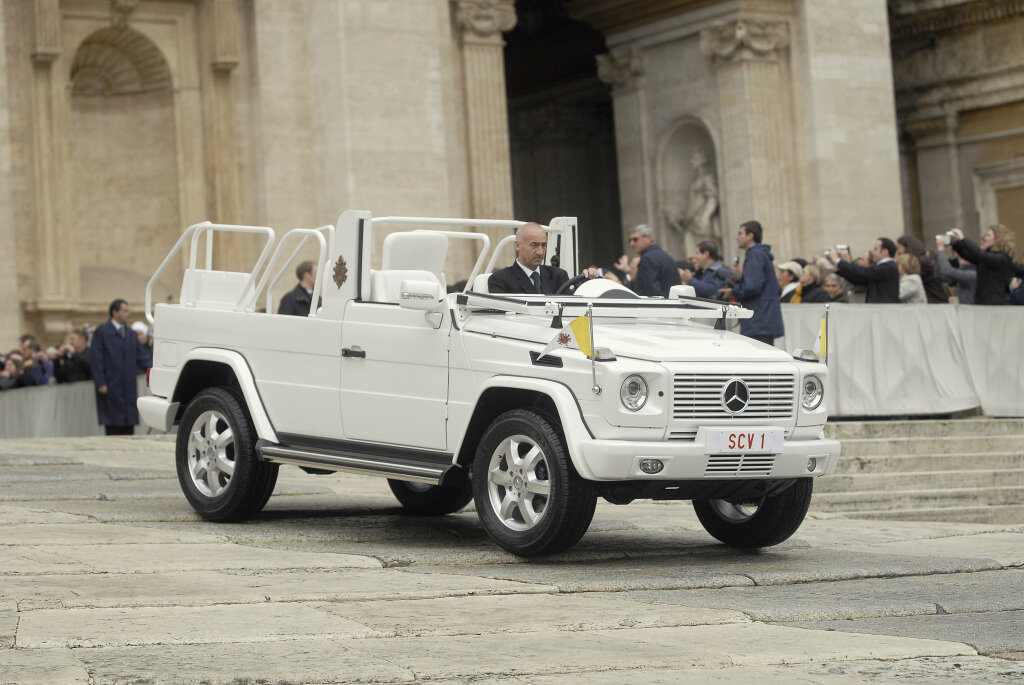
(123, 158)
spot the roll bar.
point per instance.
(193, 233)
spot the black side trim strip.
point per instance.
(359, 279)
(372, 450)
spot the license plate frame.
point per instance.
(761, 440)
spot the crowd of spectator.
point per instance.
(29, 365)
(903, 270)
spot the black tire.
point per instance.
(215, 455)
(535, 505)
(774, 520)
(433, 500)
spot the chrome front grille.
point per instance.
(739, 465)
(699, 396)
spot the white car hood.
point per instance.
(663, 341)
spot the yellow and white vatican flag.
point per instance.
(823, 345)
(575, 336)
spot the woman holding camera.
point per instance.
(994, 259)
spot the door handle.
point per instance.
(352, 352)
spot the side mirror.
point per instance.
(424, 296)
(677, 291)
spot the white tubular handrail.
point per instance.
(463, 235)
(270, 275)
(438, 221)
(497, 252)
(209, 228)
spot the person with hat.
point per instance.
(789, 280)
(144, 335)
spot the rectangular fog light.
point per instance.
(651, 466)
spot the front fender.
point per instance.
(246, 383)
(569, 414)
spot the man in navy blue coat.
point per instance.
(117, 357)
(657, 271)
(758, 288)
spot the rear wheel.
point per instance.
(216, 459)
(756, 523)
(528, 495)
(433, 500)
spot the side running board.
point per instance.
(347, 459)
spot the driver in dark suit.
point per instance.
(528, 274)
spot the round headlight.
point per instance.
(633, 393)
(812, 393)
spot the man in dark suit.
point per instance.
(117, 357)
(528, 274)
(882, 277)
(657, 271)
(296, 302)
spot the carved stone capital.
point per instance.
(486, 19)
(120, 10)
(621, 69)
(743, 39)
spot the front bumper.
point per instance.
(616, 460)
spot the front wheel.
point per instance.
(215, 455)
(760, 523)
(528, 495)
(433, 500)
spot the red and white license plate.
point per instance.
(744, 441)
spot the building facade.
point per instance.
(124, 121)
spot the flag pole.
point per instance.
(828, 341)
(593, 349)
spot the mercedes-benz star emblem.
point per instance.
(735, 395)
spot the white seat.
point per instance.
(214, 289)
(480, 283)
(416, 250)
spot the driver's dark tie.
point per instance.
(535, 277)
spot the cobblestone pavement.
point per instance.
(107, 576)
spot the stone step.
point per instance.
(901, 500)
(843, 430)
(955, 445)
(1000, 514)
(929, 462)
(920, 480)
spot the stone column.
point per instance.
(10, 309)
(758, 176)
(940, 192)
(56, 264)
(231, 251)
(624, 70)
(480, 24)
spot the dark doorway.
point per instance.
(561, 127)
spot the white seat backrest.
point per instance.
(385, 286)
(480, 283)
(416, 250)
(214, 289)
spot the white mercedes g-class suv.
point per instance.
(450, 397)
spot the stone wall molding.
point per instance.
(46, 35)
(949, 19)
(744, 39)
